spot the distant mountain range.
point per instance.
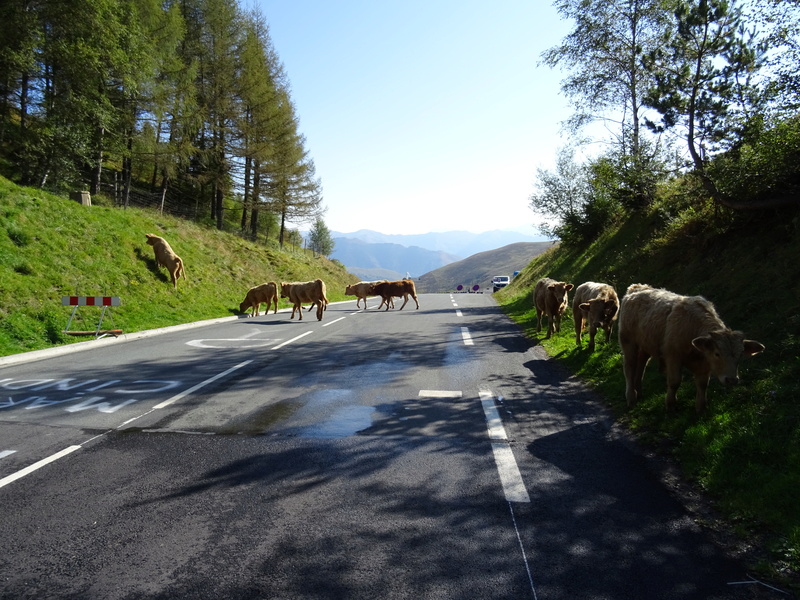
(371, 255)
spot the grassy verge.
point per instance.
(52, 247)
(745, 453)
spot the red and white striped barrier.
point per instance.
(90, 301)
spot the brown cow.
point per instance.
(266, 292)
(361, 290)
(400, 289)
(678, 331)
(550, 299)
(299, 292)
(595, 304)
(165, 257)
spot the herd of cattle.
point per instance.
(678, 331)
(303, 292)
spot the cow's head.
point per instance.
(285, 289)
(243, 306)
(348, 291)
(560, 290)
(723, 350)
(601, 312)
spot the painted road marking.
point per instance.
(510, 477)
(202, 384)
(452, 394)
(294, 339)
(36, 466)
(5, 453)
(466, 336)
(332, 322)
(458, 313)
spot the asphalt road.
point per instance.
(431, 453)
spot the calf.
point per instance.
(266, 292)
(550, 299)
(678, 331)
(595, 304)
(361, 290)
(165, 257)
(400, 289)
(306, 291)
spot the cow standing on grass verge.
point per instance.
(550, 298)
(678, 331)
(266, 292)
(306, 291)
(595, 304)
(400, 289)
(165, 257)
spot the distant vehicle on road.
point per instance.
(500, 281)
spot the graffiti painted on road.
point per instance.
(39, 393)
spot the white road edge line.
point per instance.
(510, 477)
(467, 337)
(36, 466)
(193, 389)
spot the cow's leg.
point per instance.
(629, 369)
(416, 301)
(256, 308)
(550, 326)
(558, 323)
(405, 300)
(592, 333)
(538, 320)
(578, 318)
(387, 300)
(701, 399)
(672, 370)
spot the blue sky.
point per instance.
(423, 115)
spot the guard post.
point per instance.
(103, 301)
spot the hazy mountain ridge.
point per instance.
(479, 268)
(372, 255)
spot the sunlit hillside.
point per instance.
(51, 246)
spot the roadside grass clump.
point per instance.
(52, 247)
(744, 452)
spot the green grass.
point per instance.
(52, 247)
(745, 452)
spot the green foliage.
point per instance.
(745, 452)
(52, 247)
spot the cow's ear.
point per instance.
(704, 344)
(569, 286)
(752, 347)
(584, 306)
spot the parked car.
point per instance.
(500, 281)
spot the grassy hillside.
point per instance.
(51, 247)
(745, 453)
(481, 267)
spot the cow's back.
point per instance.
(643, 318)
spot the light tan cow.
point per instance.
(678, 331)
(402, 288)
(266, 292)
(361, 290)
(300, 292)
(166, 257)
(596, 305)
(550, 298)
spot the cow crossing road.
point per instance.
(431, 453)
